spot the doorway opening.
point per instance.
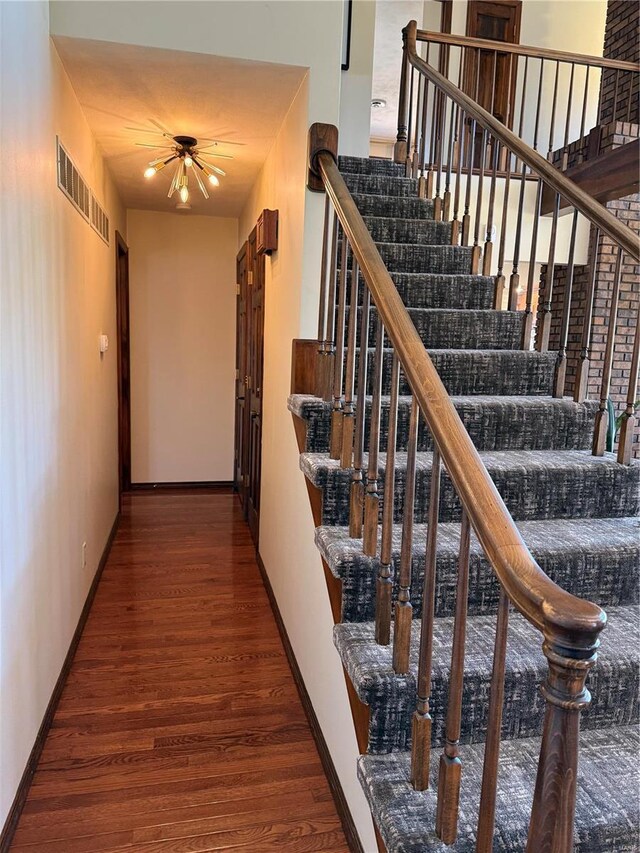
(124, 364)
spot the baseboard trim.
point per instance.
(342, 807)
(211, 485)
(11, 823)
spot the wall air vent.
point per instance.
(79, 194)
(99, 219)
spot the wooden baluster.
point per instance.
(437, 201)
(404, 610)
(554, 799)
(585, 98)
(487, 815)
(322, 303)
(567, 125)
(450, 765)
(455, 225)
(470, 145)
(418, 124)
(527, 326)
(453, 130)
(335, 444)
(602, 416)
(421, 722)
(500, 278)
(433, 144)
(348, 419)
(384, 584)
(560, 374)
(400, 147)
(372, 498)
(475, 258)
(582, 374)
(629, 420)
(407, 164)
(514, 279)
(331, 316)
(488, 244)
(544, 329)
(422, 181)
(357, 485)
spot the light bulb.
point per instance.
(188, 161)
(214, 181)
(150, 172)
(184, 194)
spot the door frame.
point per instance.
(124, 364)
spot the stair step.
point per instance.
(445, 327)
(443, 290)
(370, 204)
(533, 484)
(596, 558)
(420, 258)
(382, 185)
(391, 229)
(481, 372)
(371, 166)
(607, 813)
(494, 423)
(614, 681)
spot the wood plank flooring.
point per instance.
(180, 728)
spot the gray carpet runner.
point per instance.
(578, 514)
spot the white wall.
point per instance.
(355, 91)
(58, 405)
(286, 525)
(182, 297)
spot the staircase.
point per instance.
(578, 514)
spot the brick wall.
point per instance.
(620, 42)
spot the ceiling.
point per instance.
(193, 94)
(391, 17)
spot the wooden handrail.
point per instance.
(526, 50)
(577, 197)
(569, 623)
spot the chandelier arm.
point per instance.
(200, 183)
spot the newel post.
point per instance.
(323, 138)
(400, 148)
(554, 800)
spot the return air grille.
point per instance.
(79, 193)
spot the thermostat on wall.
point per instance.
(104, 343)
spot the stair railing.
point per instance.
(359, 299)
(447, 139)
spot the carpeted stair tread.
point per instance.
(597, 559)
(482, 371)
(471, 329)
(613, 681)
(607, 813)
(404, 207)
(494, 423)
(371, 166)
(442, 290)
(421, 258)
(534, 484)
(393, 229)
(381, 185)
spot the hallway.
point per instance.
(180, 727)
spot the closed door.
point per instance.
(249, 373)
(490, 77)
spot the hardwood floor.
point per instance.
(180, 727)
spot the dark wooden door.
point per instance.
(124, 366)
(242, 375)
(490, 77)
(249, 371)
(255, 364)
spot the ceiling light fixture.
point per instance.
(185, 150)
(378, 104)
